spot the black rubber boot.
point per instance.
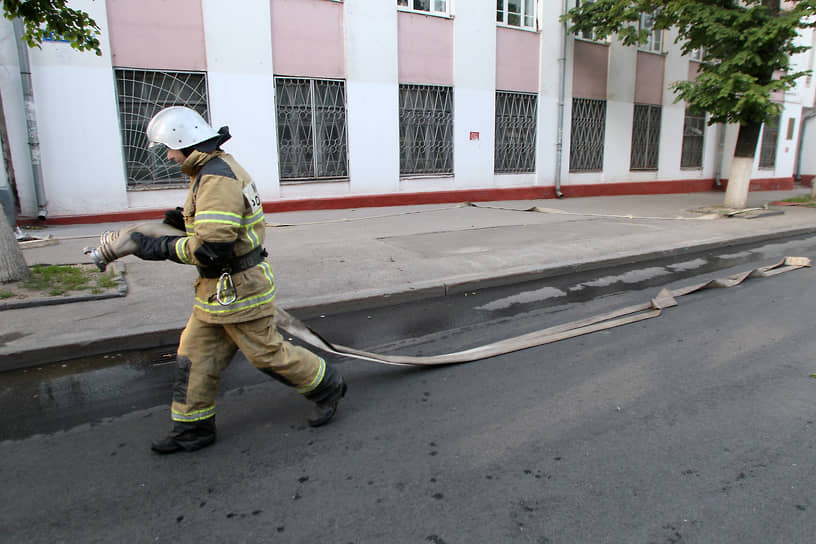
(187, 437)
(326, 396)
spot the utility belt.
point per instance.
(235, 265)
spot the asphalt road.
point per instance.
(697, 426)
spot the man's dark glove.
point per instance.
(153, 248)
(175, 218)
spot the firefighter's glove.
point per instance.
(154, 248)
(175, 218)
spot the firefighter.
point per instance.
(235, 291)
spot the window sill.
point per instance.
(660, 53)
(596, 42)
(427, 13)
(425, 176)
(157, 186)
(514, 27)
(303, 181)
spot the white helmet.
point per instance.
(178, 127)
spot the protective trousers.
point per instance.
(206, 349)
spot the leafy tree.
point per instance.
(47, 18)
(746, 50)
(42, 19)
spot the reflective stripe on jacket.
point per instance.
(223, 206)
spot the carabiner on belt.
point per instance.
(225, 292)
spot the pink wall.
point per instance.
(516, 60)
(649, 78)
(157, 34)
(307, 38)
(590, 70)
(425, 49)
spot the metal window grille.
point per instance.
(767, 150)
(312, 141)
(428, 6)
(142, 94)
(693, 132)
(515, 132)
(426, 129)
(655, 40)
(587, 135)
(645, 137)
(516, 13)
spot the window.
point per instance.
(696, 54)
(438, 7)
(142, 94)
(767, 151)
(587, 135)
(515, 132)
(426, 129)
(693, 131)
(645, 137)
(519, 13)
(655, 41)
(311, 129)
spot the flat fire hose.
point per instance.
(631, 314)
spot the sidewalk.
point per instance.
(326, 259)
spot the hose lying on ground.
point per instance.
(665, 299)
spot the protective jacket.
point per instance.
(224, 222)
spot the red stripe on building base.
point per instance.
(444, 197)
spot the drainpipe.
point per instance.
(562, 61)
(31, 120)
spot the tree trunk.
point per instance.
(12, 264)
(739, 179)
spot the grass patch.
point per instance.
(6, 294)
(802, 199)
(56, 280)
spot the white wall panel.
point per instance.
(240, 76)
(372, 96)
(618, 141)
(77, 116)
(549, 87)
(12, 92)
(786, 149)
(673, 117)
(475, 93)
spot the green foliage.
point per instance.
(60, 279)
(51, 18)
(746, 47)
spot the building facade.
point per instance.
(350, 103)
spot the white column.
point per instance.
(372, 98)
(11, 89)
(549, 88)
(241, 84)
(619, 110)
(474, 99)
(673, 115)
